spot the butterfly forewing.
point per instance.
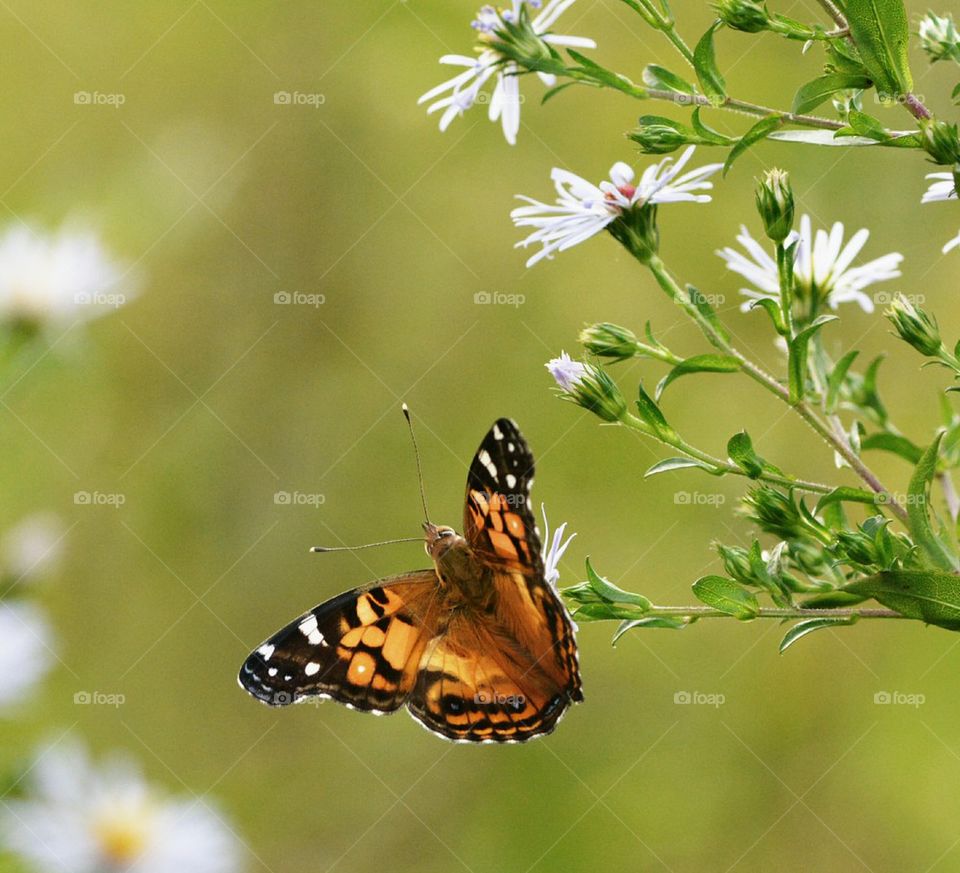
(498, 521)
(362, 648)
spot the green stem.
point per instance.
(681, 445)
(735, 105)
(840, 445)
(780, 613)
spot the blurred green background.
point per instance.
(203, 398)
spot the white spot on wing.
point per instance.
(497, 433)
(308, 627)
(312, 668)
(511, 480)
(266, 651)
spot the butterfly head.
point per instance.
(439, 539)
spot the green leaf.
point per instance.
(762, 129)
(835, 599)
(802, 628)
(669, 464)
(772, 308)
(651, 414)
(610, 592)
(928, 595)
(814, 93)
(898, 445)
(707, 133)
(727, 596)
(918, 506)
(659, 77)
(740, 451)
(881, 33)
(699, 364)
(797, 363)
(651, 621)
(848, 494)
(700, 300)
(835, 381)
(705, 63)
(862, 124)
(556, 89)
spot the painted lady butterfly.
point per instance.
(479, 648)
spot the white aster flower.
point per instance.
(822, 269)
(939, 37)
(583, 209)
(26, 653)
(56, 279)
(555, 548)
(78, 818)
(465, 89)
(32, 547)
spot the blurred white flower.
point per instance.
(56, 279)
(555, 548)
(465, 88)
(583, 209)
(951, 244)
(26, 653)
(822, 269)
(32, 547)
(78, 818)
(939, 37)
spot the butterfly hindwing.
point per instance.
(478, 684)
(498, 520)
(362, 648)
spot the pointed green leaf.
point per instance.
(698, 299)
(881, 32)
(835, 381)
(741, 452)
(762, 129)
(802, 628)
(707, 133)
(812, 94)
(797, 362)
(651, 621)
(610, 592)
(705, 63)
(669, 464)
(928, 595)
(772, 308)
(659, 77)
(727, 596)
(651, 414)
(848, 494)
(897, 445)
(918, 508)
(699, 364)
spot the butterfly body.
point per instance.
(479, 648)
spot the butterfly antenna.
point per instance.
(416, 452)
(365, 545)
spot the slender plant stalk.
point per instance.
(776, 612)
(759, 375)
(690, 451)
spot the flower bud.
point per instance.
(659, 136)
(940, 140)
(746, 15)
(775, 204)
(588, 386)
(915, 326)
(736, 562)
(609, 341)
(775, 512)
(939, 37)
